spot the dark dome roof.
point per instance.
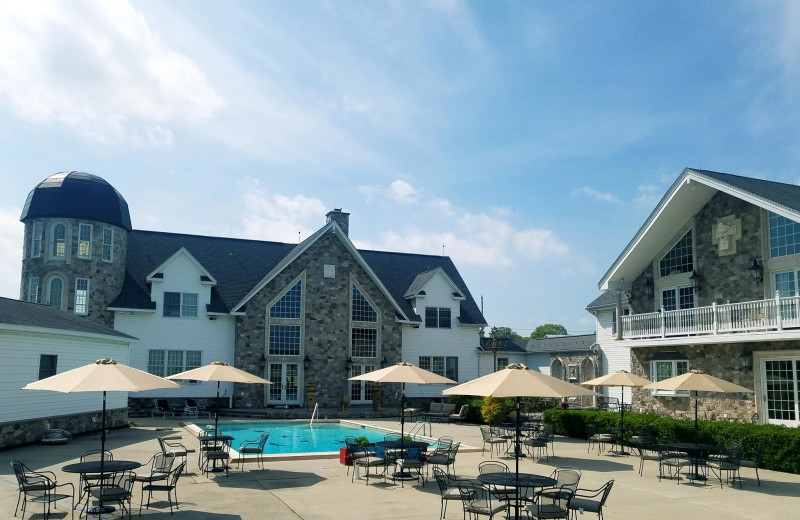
(77, 195)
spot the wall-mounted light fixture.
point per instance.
(348, 364)
(306, 362)
(756, 271)
(694, 278)
(746, 360)
(263, 361)
(648, 287)
(384, 362)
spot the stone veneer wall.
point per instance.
(326, 332)
(105, 277)
(723, 278)
(26, 432)
(585, 369)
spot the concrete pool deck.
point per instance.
(321, 489)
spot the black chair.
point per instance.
(496, 466)
(255, 447)
(590, 500)
(755, 463)
(192, 409)
(596, 437)
(672, 459)
(363, 457)
(647, 453)
(448, 488)
(728, 464)
(481, 501)
(160, 469)
(443, 456)
(175, 447)
(491, 439)
(554, 505)
(170, 487)
(117, 489)
(42, 486)
(89, 481)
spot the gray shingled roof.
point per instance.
(505, 345)
(580, 343)
(238, 265)
(787, 195)
(418, 283)
(25, 314)
(605, 300)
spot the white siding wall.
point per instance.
(540, 362)
(214, 337)
(461, 341)
(20, 353)
(615, 357)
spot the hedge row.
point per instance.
(782, 444)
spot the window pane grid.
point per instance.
(288, 306)
(81, 296)
(172, 304)
(155, 362)
(284, 340)
(189, 305)
(33, 289)
(56, 290)
(362, 310)
(108, 244)
(36, 240)
(59, 240)
(784, 236)
(364, 342)
(84, 240)
(679, 259)
(174, 362)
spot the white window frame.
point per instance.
(49, 287)
(164, 368)
(433, 364)
(439, 318)
(33, 289)
(53, 245)
(81, 307)
(673, 371)
(181, 306)
(677, 289)
(36, 240)
(502, 362)
(364, 325)
(108, 245)
(88, 241)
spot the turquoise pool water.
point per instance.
(296, 437)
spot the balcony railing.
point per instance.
(775, 314)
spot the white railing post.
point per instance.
(778, 308)
(714, 324)
(663, 324)
(796, 305)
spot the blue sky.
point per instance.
(530, 139)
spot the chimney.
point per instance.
(341, 218)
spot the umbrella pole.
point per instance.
(695, 416)
(516, 460)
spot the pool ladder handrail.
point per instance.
(315, 412)
(420, 425)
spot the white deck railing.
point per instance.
(775, 314)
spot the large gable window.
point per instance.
(285, 324)
(438, 317)
(363, 325)
(679, 259)
(784, 236)
(177, 305)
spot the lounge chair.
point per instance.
(55, 436)
(161, 407)
(192, 409)
(461, 416)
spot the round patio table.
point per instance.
(525, 480)
(696, 453)
(523, 428)
(105, 467)
(214, 456)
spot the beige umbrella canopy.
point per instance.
(220, 371)
(517, 380)
(101, 376)
(697, 381)
(621, 378)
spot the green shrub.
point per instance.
(782, 444)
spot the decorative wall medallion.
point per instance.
(725, 234)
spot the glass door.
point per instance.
(360, 391)
(780, 397)
(285, 384)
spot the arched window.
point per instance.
(557, 369)
(59, 241)
(55, 292)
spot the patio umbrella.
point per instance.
(697, 381)
(621, 378)
(403, 373)
(219, 371)
(103, 375)
(517, 380)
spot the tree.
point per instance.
(548, 329)
(503, 333)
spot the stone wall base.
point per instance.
(27, 432)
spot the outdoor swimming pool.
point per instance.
(297, 437)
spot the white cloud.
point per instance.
(597, 195)
(403, 191)
(398, 190)
(278, 217)
(11, 230)
(648, 196)
(97, 68)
